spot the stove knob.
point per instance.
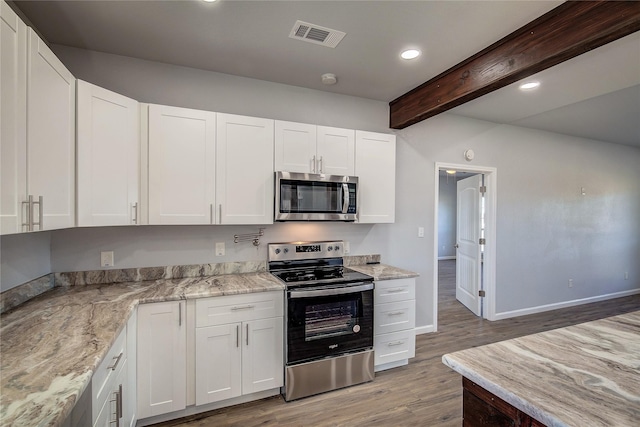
(329, 248)
(337, 248)
(286, 250)
(277, 251)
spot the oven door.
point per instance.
(327, 320)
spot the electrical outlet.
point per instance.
(420, 231)
(626, 275)
(571, 283)
(106, 259)
(347, 247)
(219, 248)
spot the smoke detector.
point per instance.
(329, 79)
(316, 34)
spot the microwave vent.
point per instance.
(316, 34)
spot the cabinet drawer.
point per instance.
(394, 346)
(394, 316)
(395, 290)
(107, 372)
(238, 308)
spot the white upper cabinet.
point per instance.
(108, 153)
(376, 171)
(51, 130)
(335, 151)
(309, 148)
(244, 169)
(181, 165)
(13, 125)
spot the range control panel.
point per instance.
(305, 250)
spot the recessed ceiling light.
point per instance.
(529, 85)
(410, 54)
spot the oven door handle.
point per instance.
(319, 292)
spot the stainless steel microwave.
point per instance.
(315, 197)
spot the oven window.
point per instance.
(330, 319)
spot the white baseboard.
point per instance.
(424, 329)
(555, 306)
(442, 258)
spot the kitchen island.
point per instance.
(581, 375)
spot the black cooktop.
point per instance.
(302, 277)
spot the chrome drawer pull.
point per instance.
(393, 291)
(395, 343)
(395, 313)
(113, 367)
(242, 307)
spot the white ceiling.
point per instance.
(595, 96)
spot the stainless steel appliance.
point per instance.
(329, 318)
(316, 197)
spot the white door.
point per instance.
(161, 347)
(51, 135)
(244, 170)
(336, 150)
(295, 147)
(262, 356)
(108, 157)
(375, 167)
(13, 126)
(468, 256)
(218, 363)
(181, 165)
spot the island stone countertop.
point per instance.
(52, 344)
(581, 375)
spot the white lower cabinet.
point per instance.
(394, 339)
(239, 345)
(161, 355)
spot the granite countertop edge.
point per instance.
(81, 302)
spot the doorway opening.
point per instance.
(474, 263)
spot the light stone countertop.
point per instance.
(383, 271)
(581, 375)
(51, 345)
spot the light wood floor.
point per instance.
(424, 393)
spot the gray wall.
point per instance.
(447, 216)
(24, 257)
(547, 232)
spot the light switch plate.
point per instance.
(106, 259)
(420, 231)
(219, 248)
(347, 247)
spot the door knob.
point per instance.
(456, 246)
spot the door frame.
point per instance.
(489, 261)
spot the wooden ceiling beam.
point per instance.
(569, 30)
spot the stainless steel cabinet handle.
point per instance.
(313, 164)
(40, 214)
(119, 408)
(242, 307)
(320, 165)
(179, 314)
(395, 343)
(113, 367)
(394, 291)
(28, 213)
(247, 334)
(220, 214)
(135, 213)
(211, 218)
(237, 335)
(395, 313)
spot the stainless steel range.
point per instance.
(329, 318)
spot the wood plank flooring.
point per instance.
(423, 393)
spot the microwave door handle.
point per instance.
(345, 197)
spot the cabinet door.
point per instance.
(218, 366)
(295, 147)
(375, 168)
(130, 388)
(161, 351)
(262, 355)
(51, 130)
(181, 165)
(13, 125)
(244, 170)
(335, 151)
(108, 153)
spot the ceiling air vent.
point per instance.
(316, 34)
